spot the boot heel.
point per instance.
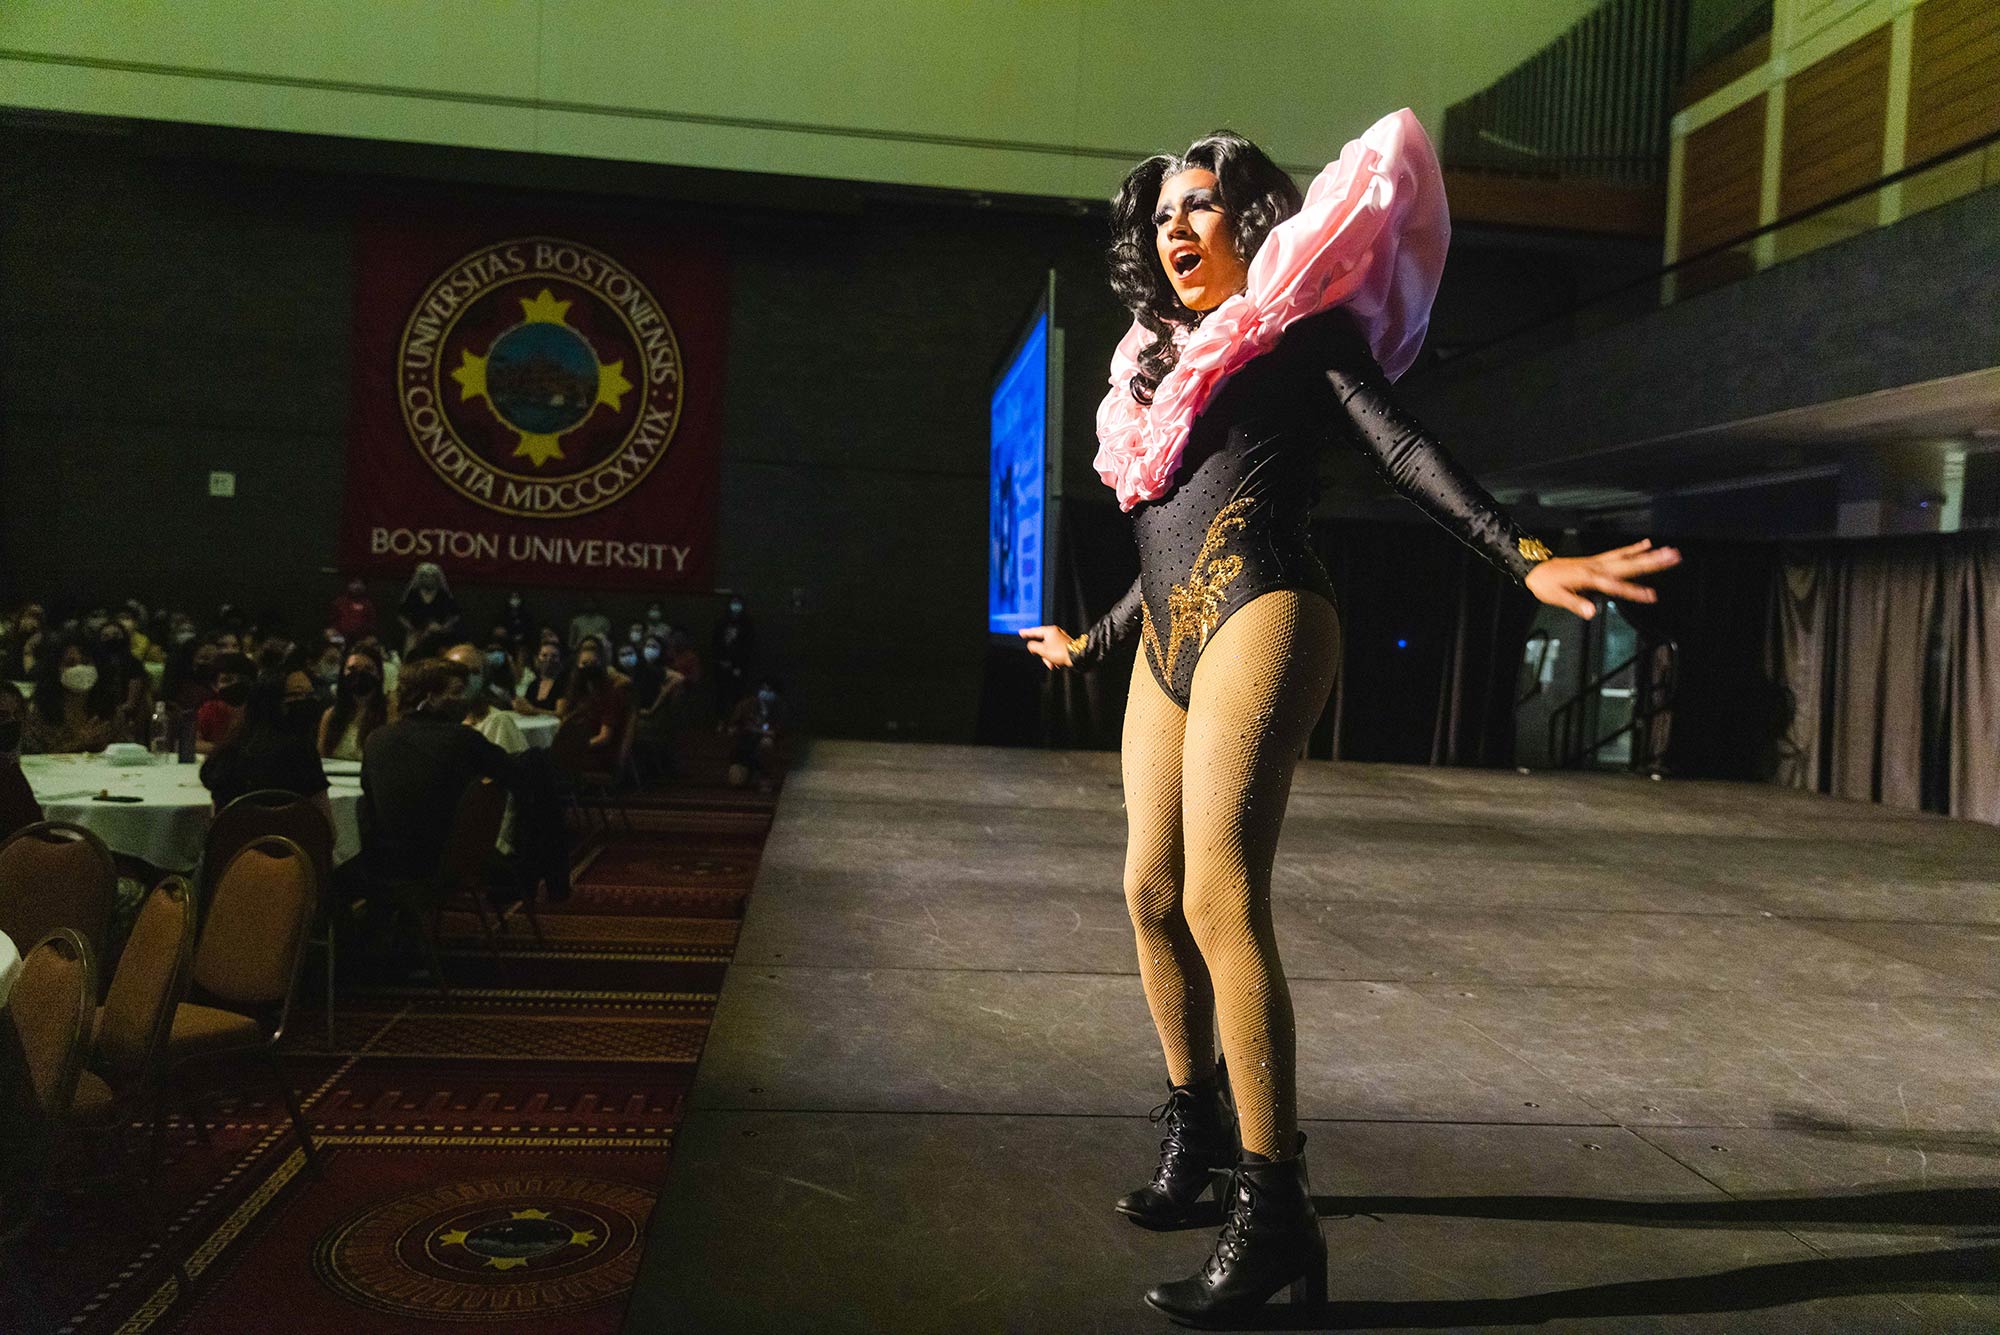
(1309, 1289)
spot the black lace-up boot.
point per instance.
(1199, 1148)
(1270, 1240)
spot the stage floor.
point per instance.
(1580, 1051)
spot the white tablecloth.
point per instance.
(167, 825)
(10, 964)
(537, 729)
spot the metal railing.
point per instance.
(1942, 177)
(1655, 676)
(1593, 103)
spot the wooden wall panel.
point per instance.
(1835, 119)
(1721, 170)
(1954, 75)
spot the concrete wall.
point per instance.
(1906, 303)
(1056, 97)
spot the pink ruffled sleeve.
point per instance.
(1371, 236)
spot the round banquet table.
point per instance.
(167, 825)
(10, 964)
(537, 729)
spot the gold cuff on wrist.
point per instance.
(1534, 549)
(1075, 644)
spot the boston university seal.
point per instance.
(539, 378)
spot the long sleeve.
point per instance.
(1412, 460)
(1090, 648)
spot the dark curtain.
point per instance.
(1431, 639)
(1884, 648)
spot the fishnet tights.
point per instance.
(1205, 794)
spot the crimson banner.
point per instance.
(535, 403)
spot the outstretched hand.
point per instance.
(1048, 643)
(1562, 581)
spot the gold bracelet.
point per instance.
(1534, 549)
(1075, 645)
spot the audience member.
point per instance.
(326, 666)
(218, 717)
(543, 693)
(518, 620)
(428, 607)
(598, 694)
(734, 653)
(189, 682)
(590, 621)
(18, 807)
(659, 689)
(360, 705)
(20, 642)
(758, 726)
(415, 769)
(272, 747)
(353, 613)
(76, 705)
(119, 662)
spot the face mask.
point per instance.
(495, 659)
(514, 601)
(548, 667)
(652, 653)
(183, 637)
(234, 694)
(635, 635)
(82, 678)
(361, 685)
(628, 659)
(10, 740)
(653, 615)
(736, 609)
(301, 715)
(767, 698)
(475, 683)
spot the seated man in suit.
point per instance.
(414, 770)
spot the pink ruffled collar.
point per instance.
(1371, 235)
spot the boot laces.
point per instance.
(1176, 1112)
(1235, 1223)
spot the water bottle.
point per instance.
(161, 738)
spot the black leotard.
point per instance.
(1233, 522)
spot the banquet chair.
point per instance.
(129, 1030)
(597, 781)
(42, 1047)
(55, 874)
(276, 811)
(246, 968)
(461, 870)
(18, 807)
(569, 752)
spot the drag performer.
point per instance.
(1264, 325)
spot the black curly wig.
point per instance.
(1256, 195)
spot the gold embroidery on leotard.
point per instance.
(1195, 608)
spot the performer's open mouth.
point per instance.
(1186, 261)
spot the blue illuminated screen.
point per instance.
(1020, 418)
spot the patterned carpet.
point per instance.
(490, 1160)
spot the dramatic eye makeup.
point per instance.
(1196, 199)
